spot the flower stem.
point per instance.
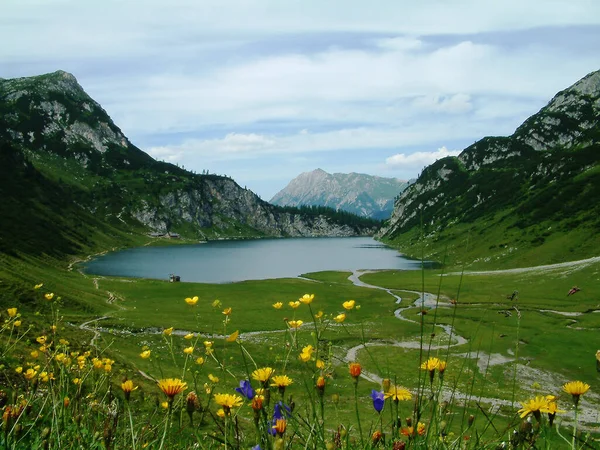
(357, 416)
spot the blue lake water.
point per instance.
(230, 261)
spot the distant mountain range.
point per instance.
(534, 195)
(357, 193)
(70, 179)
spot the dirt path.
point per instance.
(548, 267)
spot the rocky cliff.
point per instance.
(361, 194)
(70, 146)
(526, 188)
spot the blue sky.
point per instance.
(262, 90)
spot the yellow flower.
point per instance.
(189, 336)
(19, 369)
(212, 378)
(576, 389)
(319, 315)
(128, 387)
(307, 299)
(216, 304)
(200, 360)
(349, 304)
(340, 318)
(442, 366)
(165, 405)
(295, 323)
(77, 381)
(263, 374)
(227, 311)
(421, 428)
(172, 386)
(398, 393)
(108, 368)
(306, 353)
(17, 323)
(221, 413)
(233, 336)
(277, 305)
(49, 296)
(168, 331)
(320, 364)
(280, 426)
(188, 350)
(63, 342)
(355, 370)
(431, 364)
(294, 305)
(281, 381)
(37, 286)
(228, 401)
(45, 377)
(12, 312)
(208, 344)
(34, 354)
(534, 406)
(191, 301)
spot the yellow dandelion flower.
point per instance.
(233, 336)
(221, 413)
(168, 331)
(212, 378)
(189, 336)
(128, 387)
(534, 406)
(281, 381)
(431, 364)
(349, 304)
(12, 312)
(576, 389)
(398, 393)
(307, 299)
(340, 318)
(172, 386)
(188, 350)
(277, 305)
(191, 300)
(295, 323)
(263, 374)
(228, 401)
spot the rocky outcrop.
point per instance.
(361, 194)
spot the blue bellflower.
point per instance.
(246, 389)
(378, 400)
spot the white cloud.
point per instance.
(457, 103)
(418, 159)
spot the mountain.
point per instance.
(357, 193)
(70, 179)
(529, 196)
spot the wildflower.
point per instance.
(340, 318)
(53, 328)
(128, 387)
(12, 312)
(228, 401)
(320, 364)
(77, 381)
(49, 296)
(281, 382)
(319, 315)
(307, 299)
(188, 350)
(164, 405)
(233, 336)
(97, 363)
(168, 331)
(246, 389)
(431, 364)
(442, 367)
(63, 342)
(398, 393)
(320, 384)
(295, 323)
(191, 301)
(66, 402)
(19, 369)
(349, 304)
(208, 344)
(257, 402)
(294, 305)
(534, 406)
(386, 384)
(41, 339)
(552, 409)
(306, 353)
(17, 323)
(355, 370)
(407, 431)
(200, 360)
(212, 378)
(172, 386)
(30, 374)
(376, 437)
(227, 311)
(189, 336)
(378, 400)
(263, 374)
(280, 426)
(221, 413)
(576, 389)
(37, 286)
(216, 304)
(277, 305)
(420, 428)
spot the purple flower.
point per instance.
(256, 447)
(246, 389)
(279, 409)
(378, 400)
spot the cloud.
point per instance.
(457, 103)
(418, 159)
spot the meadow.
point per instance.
(107, 362)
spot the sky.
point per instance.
(262, 90)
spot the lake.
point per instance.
(257, 259)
